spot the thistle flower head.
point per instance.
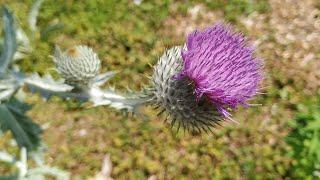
(78, 65)
(197, 85)
(221, 66)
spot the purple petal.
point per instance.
(221, 66)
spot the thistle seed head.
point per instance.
(77, 65)
(176, 96)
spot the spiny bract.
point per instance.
(176, 97)
(78, 65)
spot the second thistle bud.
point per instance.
(78, 65)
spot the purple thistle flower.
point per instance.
(198, 84)
(221, 67)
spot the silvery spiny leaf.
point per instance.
(24, 46)
(176, 96)
(33, 15)
(40, 172)
(101, 79)
(129, 102)
(23, 173)
(6, 157)
(23, 42)
(10, 83)
(7, 88)
(78, 65)
(13, 118)
(10, 44)
(46, 85)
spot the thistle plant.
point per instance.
(197, 84)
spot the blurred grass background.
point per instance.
(128, 37)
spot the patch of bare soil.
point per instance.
(178, 27)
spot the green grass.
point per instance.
(128, 38)
(305, 139)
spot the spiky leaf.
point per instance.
(33, 15)
(8, 86)
(10, 44)
(45, 170)
(23, 44)
(46, 85)
(13, 118)
(100, 79)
